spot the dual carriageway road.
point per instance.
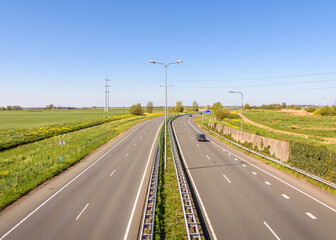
(240, 197)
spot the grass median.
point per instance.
(25, 167)
(169, 218)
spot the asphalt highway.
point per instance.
(244, 198)
(100, 198)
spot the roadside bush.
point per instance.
(310, 109)
(325, 111)
(317, 160)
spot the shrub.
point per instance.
(221, 114)
(136, 109)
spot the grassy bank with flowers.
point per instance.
(25, 167)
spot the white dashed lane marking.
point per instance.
(226, 178)
(311, 215)
(285, 196)
(82, 211)
(207, 157)
(254, 173)
(112, 173)
(244, 165)
(267, 183)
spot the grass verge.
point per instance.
(25, 167)
(169, 218)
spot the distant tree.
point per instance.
(2, 108)
(208, 107)
(16, 107)
(50, 106)
(149, 107)
(247, 106)
(195, 106)
(8, 108)
(93, 107)
(179, 107)
(284, 105)
(216, 106)
(136, 109)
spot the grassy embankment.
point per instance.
(324, 127)
(169, 219)
(314, 125)
(27, 166)
(236, 123)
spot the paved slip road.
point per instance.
(244, 198)
(99, 198)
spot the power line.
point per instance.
(262, 78)
(264, 85)
(292, 90)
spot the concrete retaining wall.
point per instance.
(279, 148)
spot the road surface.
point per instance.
(102, 197)
(244, 198)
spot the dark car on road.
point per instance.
(201, 137)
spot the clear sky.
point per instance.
(59, 52)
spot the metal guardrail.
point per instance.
(188, 211)
(277, 161)
(147, 229)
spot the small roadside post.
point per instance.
(61, 143)
(202, 117)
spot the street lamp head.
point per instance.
(179, 61)
(151, 61)
(231, 91)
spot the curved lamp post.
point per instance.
(166, 109)
(242, 106)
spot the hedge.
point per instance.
(317, 160)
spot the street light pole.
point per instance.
(166, 108)
(242, 116)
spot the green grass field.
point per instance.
(236, 123)
(323, 126)
(26, 119)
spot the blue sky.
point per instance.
(59, 52)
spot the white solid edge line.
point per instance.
(271, 230)
(197, 193)
(112, 173)
(139, 190)
(52, 196)
(82, 211)
(311, 215)
(227, 178)
(306, 194)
